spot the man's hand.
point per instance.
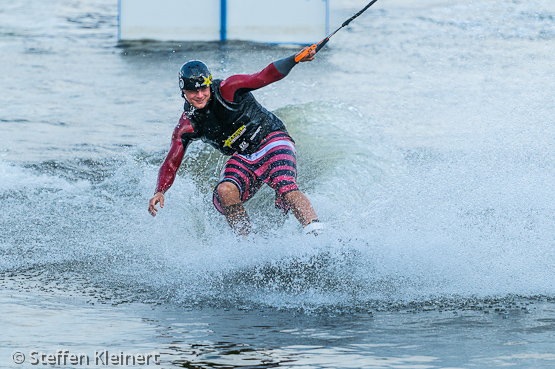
(307, 57)
(157, 198)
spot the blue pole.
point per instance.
(223, 20)
(119, 20)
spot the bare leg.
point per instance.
(301, 207)
(234, 212)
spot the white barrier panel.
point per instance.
(269, 21)
(282, 21)
(167, 20)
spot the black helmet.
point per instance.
(193, 75)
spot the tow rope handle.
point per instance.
(318, 46)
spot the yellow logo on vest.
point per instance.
(234, 137)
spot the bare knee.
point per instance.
(295, 197)
(228, 193)
(301, 206)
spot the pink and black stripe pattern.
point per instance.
(275, 164)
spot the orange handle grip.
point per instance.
(304, 53)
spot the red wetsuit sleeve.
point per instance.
(243, 83)
(168, 170)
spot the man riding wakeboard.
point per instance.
(225, 114)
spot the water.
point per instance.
(425, 143)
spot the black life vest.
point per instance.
(230, 127)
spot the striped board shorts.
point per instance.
(275, 164)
